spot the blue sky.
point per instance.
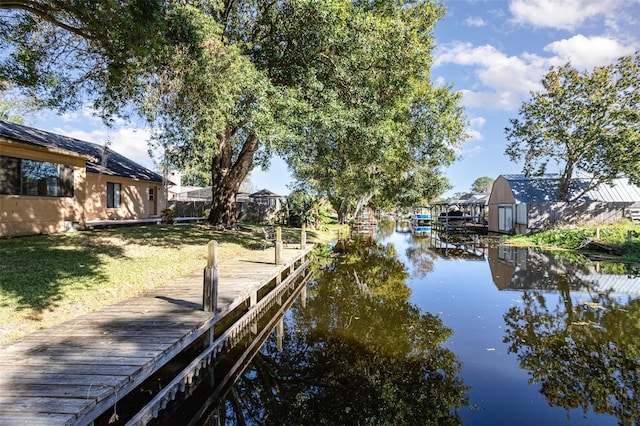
(494, 52)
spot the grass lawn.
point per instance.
(47, 279)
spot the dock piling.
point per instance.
(210, 290)
(303, 237)
(279, 247)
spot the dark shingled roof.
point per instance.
(103, 159)
(265, 193)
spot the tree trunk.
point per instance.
(340, 207)
(565, 182)
(363, 201)
(227, 176)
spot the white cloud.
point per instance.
(503, 81)
(440, 81)
(475, 22)
(475, 125)
(488, 100)
(69, 116)
(128, 141)
(561, 14)
(588, 52)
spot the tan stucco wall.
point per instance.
(500, 194)
(28, 215)
(134, 198)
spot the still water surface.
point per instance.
(411, 330)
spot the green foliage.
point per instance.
(303, 209)
(13, 106)
(482, 184)
(65, 52)
(372, 122)
(588, 121)
(572, 237)
(569, 238)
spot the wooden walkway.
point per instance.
(72, 373)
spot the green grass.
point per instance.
(571, 237)
(47, 279)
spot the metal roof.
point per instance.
(544, 189)
(104, 160)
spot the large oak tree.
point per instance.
(335, 85)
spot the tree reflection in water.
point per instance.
(359, 353)
(583, 353)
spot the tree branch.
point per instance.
(43, 11)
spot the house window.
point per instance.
(40, 178)
(113, 195)
(151, 194)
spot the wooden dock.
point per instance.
(75, 372)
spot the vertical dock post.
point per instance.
(279, 334)
(303, 297)
(210, 291)
(279, 255)
(303, 237)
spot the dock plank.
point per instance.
(45, 390)
(78, 360)
(69, 368)
(72, 373)
(31, 378)
(57, 405)
(36, 419)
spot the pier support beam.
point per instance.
(303, 297)
(210, 290)
(279, 334)
(279, 247)
(303, 237)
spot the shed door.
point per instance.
(505, 218)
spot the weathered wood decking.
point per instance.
(72, 373)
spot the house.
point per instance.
(520, 204)
(265, 206)
(51, 183)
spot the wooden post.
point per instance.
(210, 291)
(279, 334)
(279, 255)
(303, 237)
(598, 233)
(303, 297)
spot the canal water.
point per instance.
(413, 329)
